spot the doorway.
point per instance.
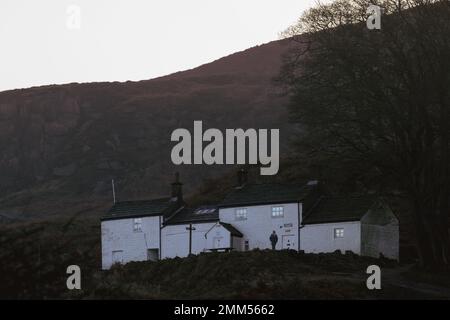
(218, 242)
(152, 254)
(288, 242)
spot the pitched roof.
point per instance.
(255, 194)
(197, 215)
(141, 208)
(339, 209)
(233, 231)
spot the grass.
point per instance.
(34, 258)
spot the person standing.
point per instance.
(273, 239)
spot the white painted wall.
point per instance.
(315, 238)
(118, 237)
(380, 233)
(237, 243)
(175, 241)
(260, 224)
(218, 238)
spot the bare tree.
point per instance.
(377, 102)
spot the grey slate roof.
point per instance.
(141, 208)
(339, 209)
(197, 215)
(233, 231)
(255, 194)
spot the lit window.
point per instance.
(338, 233)
(241, 214)
(277, 212)
(137, 225)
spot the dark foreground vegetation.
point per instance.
(35, 256)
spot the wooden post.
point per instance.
(190, 228)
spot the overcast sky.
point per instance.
(43, 42)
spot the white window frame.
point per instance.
(277, 212)
(137, 225)
(338, 233)
(240, 214)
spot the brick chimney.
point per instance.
(177, 189)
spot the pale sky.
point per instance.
(119, 40)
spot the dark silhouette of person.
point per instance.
(273, 239)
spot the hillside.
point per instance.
(62, 145)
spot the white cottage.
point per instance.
(132, 230)
(299, 216)
(186, 232)
(258, 210)
(193, 231)
(363, 225)
(223, 237)
(305, 220)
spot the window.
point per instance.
(246, 245)
(338, 233)
(137, 225)
(205, 210)
(152, 254)
(277, 212)
(241, 214)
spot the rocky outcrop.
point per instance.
(74, 138)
